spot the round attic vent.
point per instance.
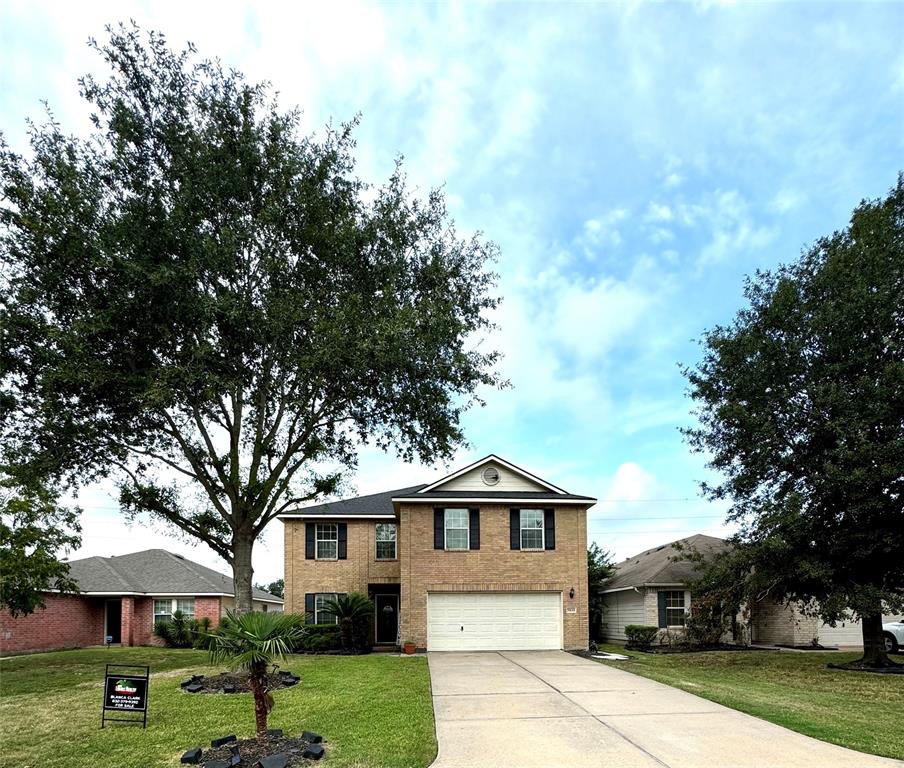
(490, 475)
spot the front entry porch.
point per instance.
(386, 602)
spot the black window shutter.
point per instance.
(309, 608)
(549, 523)
(309, 541)
(439, 528)
(515, 529)
(663, 598)
(343, 541)
(474, 529)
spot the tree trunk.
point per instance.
(258, 681)
(874, 654)
(242, 572)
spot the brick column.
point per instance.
(126, 626)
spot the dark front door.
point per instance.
(114, 620)
(387, 618)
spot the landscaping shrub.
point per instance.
(640, 636)
(203, 634)
(318, 638)
(354, 612)
(706, 622)
(178, 632)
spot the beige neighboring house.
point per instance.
(490, 557)
(650, 589)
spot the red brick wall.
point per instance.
(67, 621)
(209, 607)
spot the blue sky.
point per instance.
(633, 162)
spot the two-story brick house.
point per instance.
(490, 557)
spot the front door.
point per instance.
(114, 620)
(387, 607)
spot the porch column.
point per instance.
(128, 621)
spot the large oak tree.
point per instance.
(212, 308)
(801, 411)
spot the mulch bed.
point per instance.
(898, 669)
(238, 681)
(252, 750)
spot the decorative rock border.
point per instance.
(231, 682)
(274, 751)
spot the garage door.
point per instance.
(494, 621)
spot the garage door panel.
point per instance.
(494, 621)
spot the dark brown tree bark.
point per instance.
(262, 701)
(874, 654)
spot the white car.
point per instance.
(894, 635)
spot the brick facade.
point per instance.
(495, 567)
(775, 623)
(421, 569)
(353, 574)
(76, 621)
(66, 621)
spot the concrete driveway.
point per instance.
(533, 709)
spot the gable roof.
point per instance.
(656, 566)
(154, 572)
(382, 505)
(496, 460)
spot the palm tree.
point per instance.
(252, 642)
(353, 611)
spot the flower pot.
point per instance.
(409, 648)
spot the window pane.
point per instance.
(456, 538)
(386, 532)
(456, 518)
(187, 607)
(321, 615)
(531, 518)
(531, 538)
(327, 531)
(386, 550)
(327, 550)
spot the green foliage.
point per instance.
(199, 291)
(707, 621)
(800, 405)
(640, 636)
(254, 642)
(599, 570)
(178, 632)
(319, 638)
(354, 612)
(34, 529)
(203, 639)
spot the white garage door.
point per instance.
(494, 621)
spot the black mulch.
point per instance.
(238, 682)
(252, 750)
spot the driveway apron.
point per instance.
(538, 709)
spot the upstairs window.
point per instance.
(457, 531)
(386, 541)
(532, 529)
(327, 541)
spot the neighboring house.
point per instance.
(490, 557)
(121, 597)
(650, 588)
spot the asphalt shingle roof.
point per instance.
(656, 566)
(153, 572)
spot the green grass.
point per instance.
(854, 709)
(372, 710)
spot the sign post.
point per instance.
(126, 691)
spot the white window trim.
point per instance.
(378, 541)
(317, 611)
(173, 607)
(522, 529)
(466, 529)
(317, 541)
(669, 611)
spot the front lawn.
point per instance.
(372, 710)
(794, 689)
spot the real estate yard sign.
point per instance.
(126, 690)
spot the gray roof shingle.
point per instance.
(656, 566)
(153, 572)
